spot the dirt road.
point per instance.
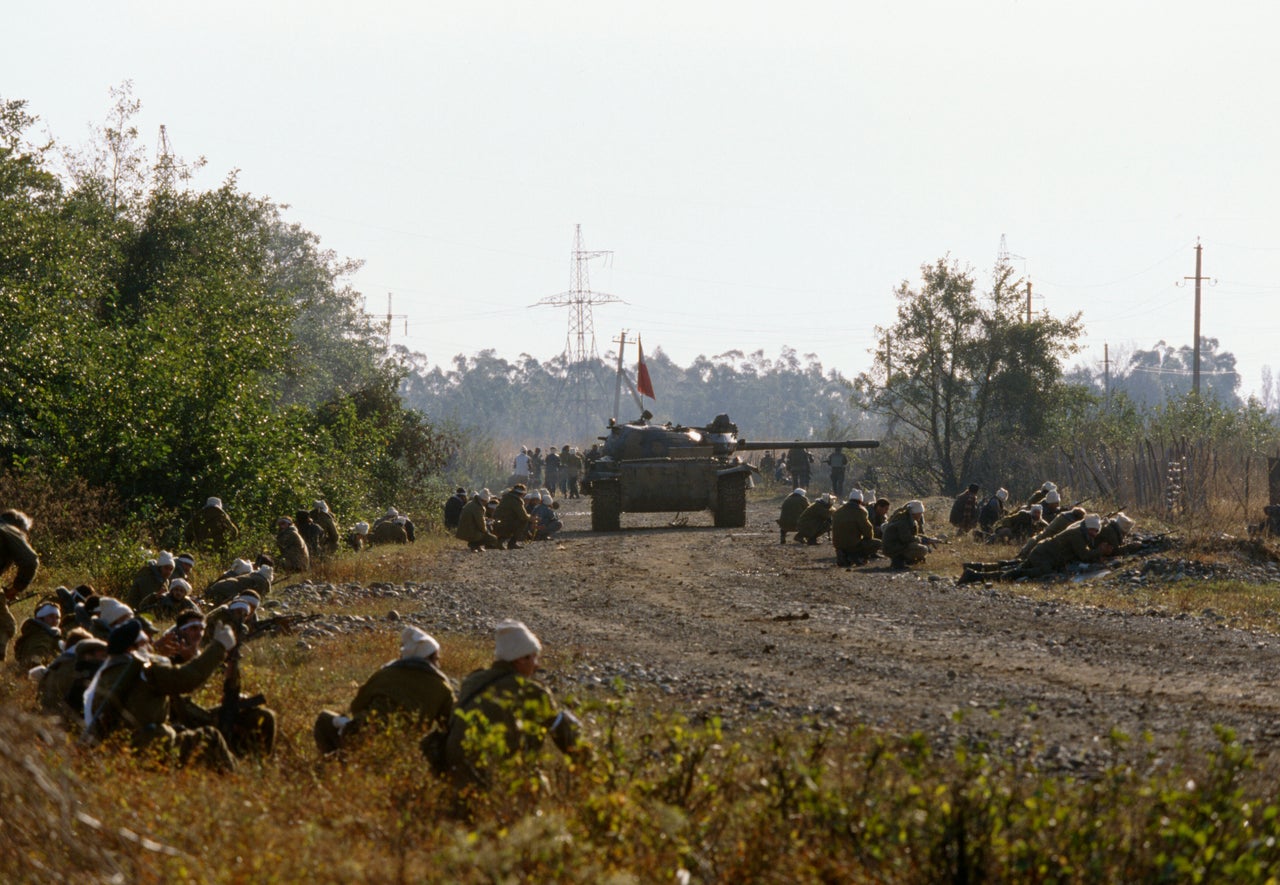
(732, 622)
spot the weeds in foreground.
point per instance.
(661, 795)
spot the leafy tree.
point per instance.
(964, 379)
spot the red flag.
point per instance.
(643, 383)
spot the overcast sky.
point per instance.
(765, 174)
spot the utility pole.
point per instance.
(617, 385)
(395, 316)
(1195, 364)
(1106, 375)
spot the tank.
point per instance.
(650, 468)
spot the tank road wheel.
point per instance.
(606, 507)
(731, 501)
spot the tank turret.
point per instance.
(656, 468)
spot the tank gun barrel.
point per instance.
(772, 445)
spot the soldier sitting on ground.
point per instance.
(1018, 526)
(174, 600)
(992, 511)
(505, 698)
(322, 516)
(453, 508)
(545, 518)
(815, 521)
(964, 510)
(879, 514)
(39, 637)
(793, 505)
(413, 686)
(152, 578)
(851, 533)
(240, 614)
(1058, 524)
(294, 554)
(60, 687)
(358, 537)
(132, 691)
(224, 590)
(393, 527)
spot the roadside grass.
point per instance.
(663, 797)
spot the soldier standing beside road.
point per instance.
(838, 461)
(799, 462)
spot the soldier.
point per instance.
(512, 520)
(992, 510)
(879, 515)
(1059, 522)
(293, 549)
(1019, 526)
(111, 614)
(552, 469)
(312, 533)
(211, 527)
(323, 517)
(182, 641)
(1039, 494)
(507, 698)
(766, 466)
(570, 470)
(15, 550)
(964, 512)
(904, 538)
(171, 602)
(413, 686)
(1074, 544)
(453, 508)
(837, 461)
(358, 537)
(184, 566)
(60, 688)
(793, 505)
(1051, 505)
(545, 517)
(851, 533)
(815, 521)
(1113, 532)
(798, 462)
(240, 614)
(152, 578)
(393, 527)
(473, 527)
(132, 691)
(535, 467)
(38, 639)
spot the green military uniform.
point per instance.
(1017, 526)
(55, 685)
(389, 530)
(500, 698)
(472, 527)
(293, 550)
(411, 686)
(570, 470)
(211, 527)
(324, 519)
(15, 550)
(223, 590)
(133, 690)
(852, 535)
(147, 582)
(511, 519)
(167, 607)
(900, 539)
(793, 506)
(240, 623)
(814, 522)
(1054, 554)
(1057, 525)
(37, 643)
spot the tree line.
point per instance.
(164, 344)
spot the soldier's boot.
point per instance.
(897, 563)
(512, 545)
(782, 536)
(970, 576)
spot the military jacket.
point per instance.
(15, 550)
(815, 520)
(146, 700)
(211, 526)
(37, 643)
(406, 686)
(471, 522)
(511, 515)
(793, 506)
(900, 533)
(849, 525)
(1070, 545)
(293, 550)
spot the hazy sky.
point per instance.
(765, 174)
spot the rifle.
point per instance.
(233, 703)
(279, 625)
